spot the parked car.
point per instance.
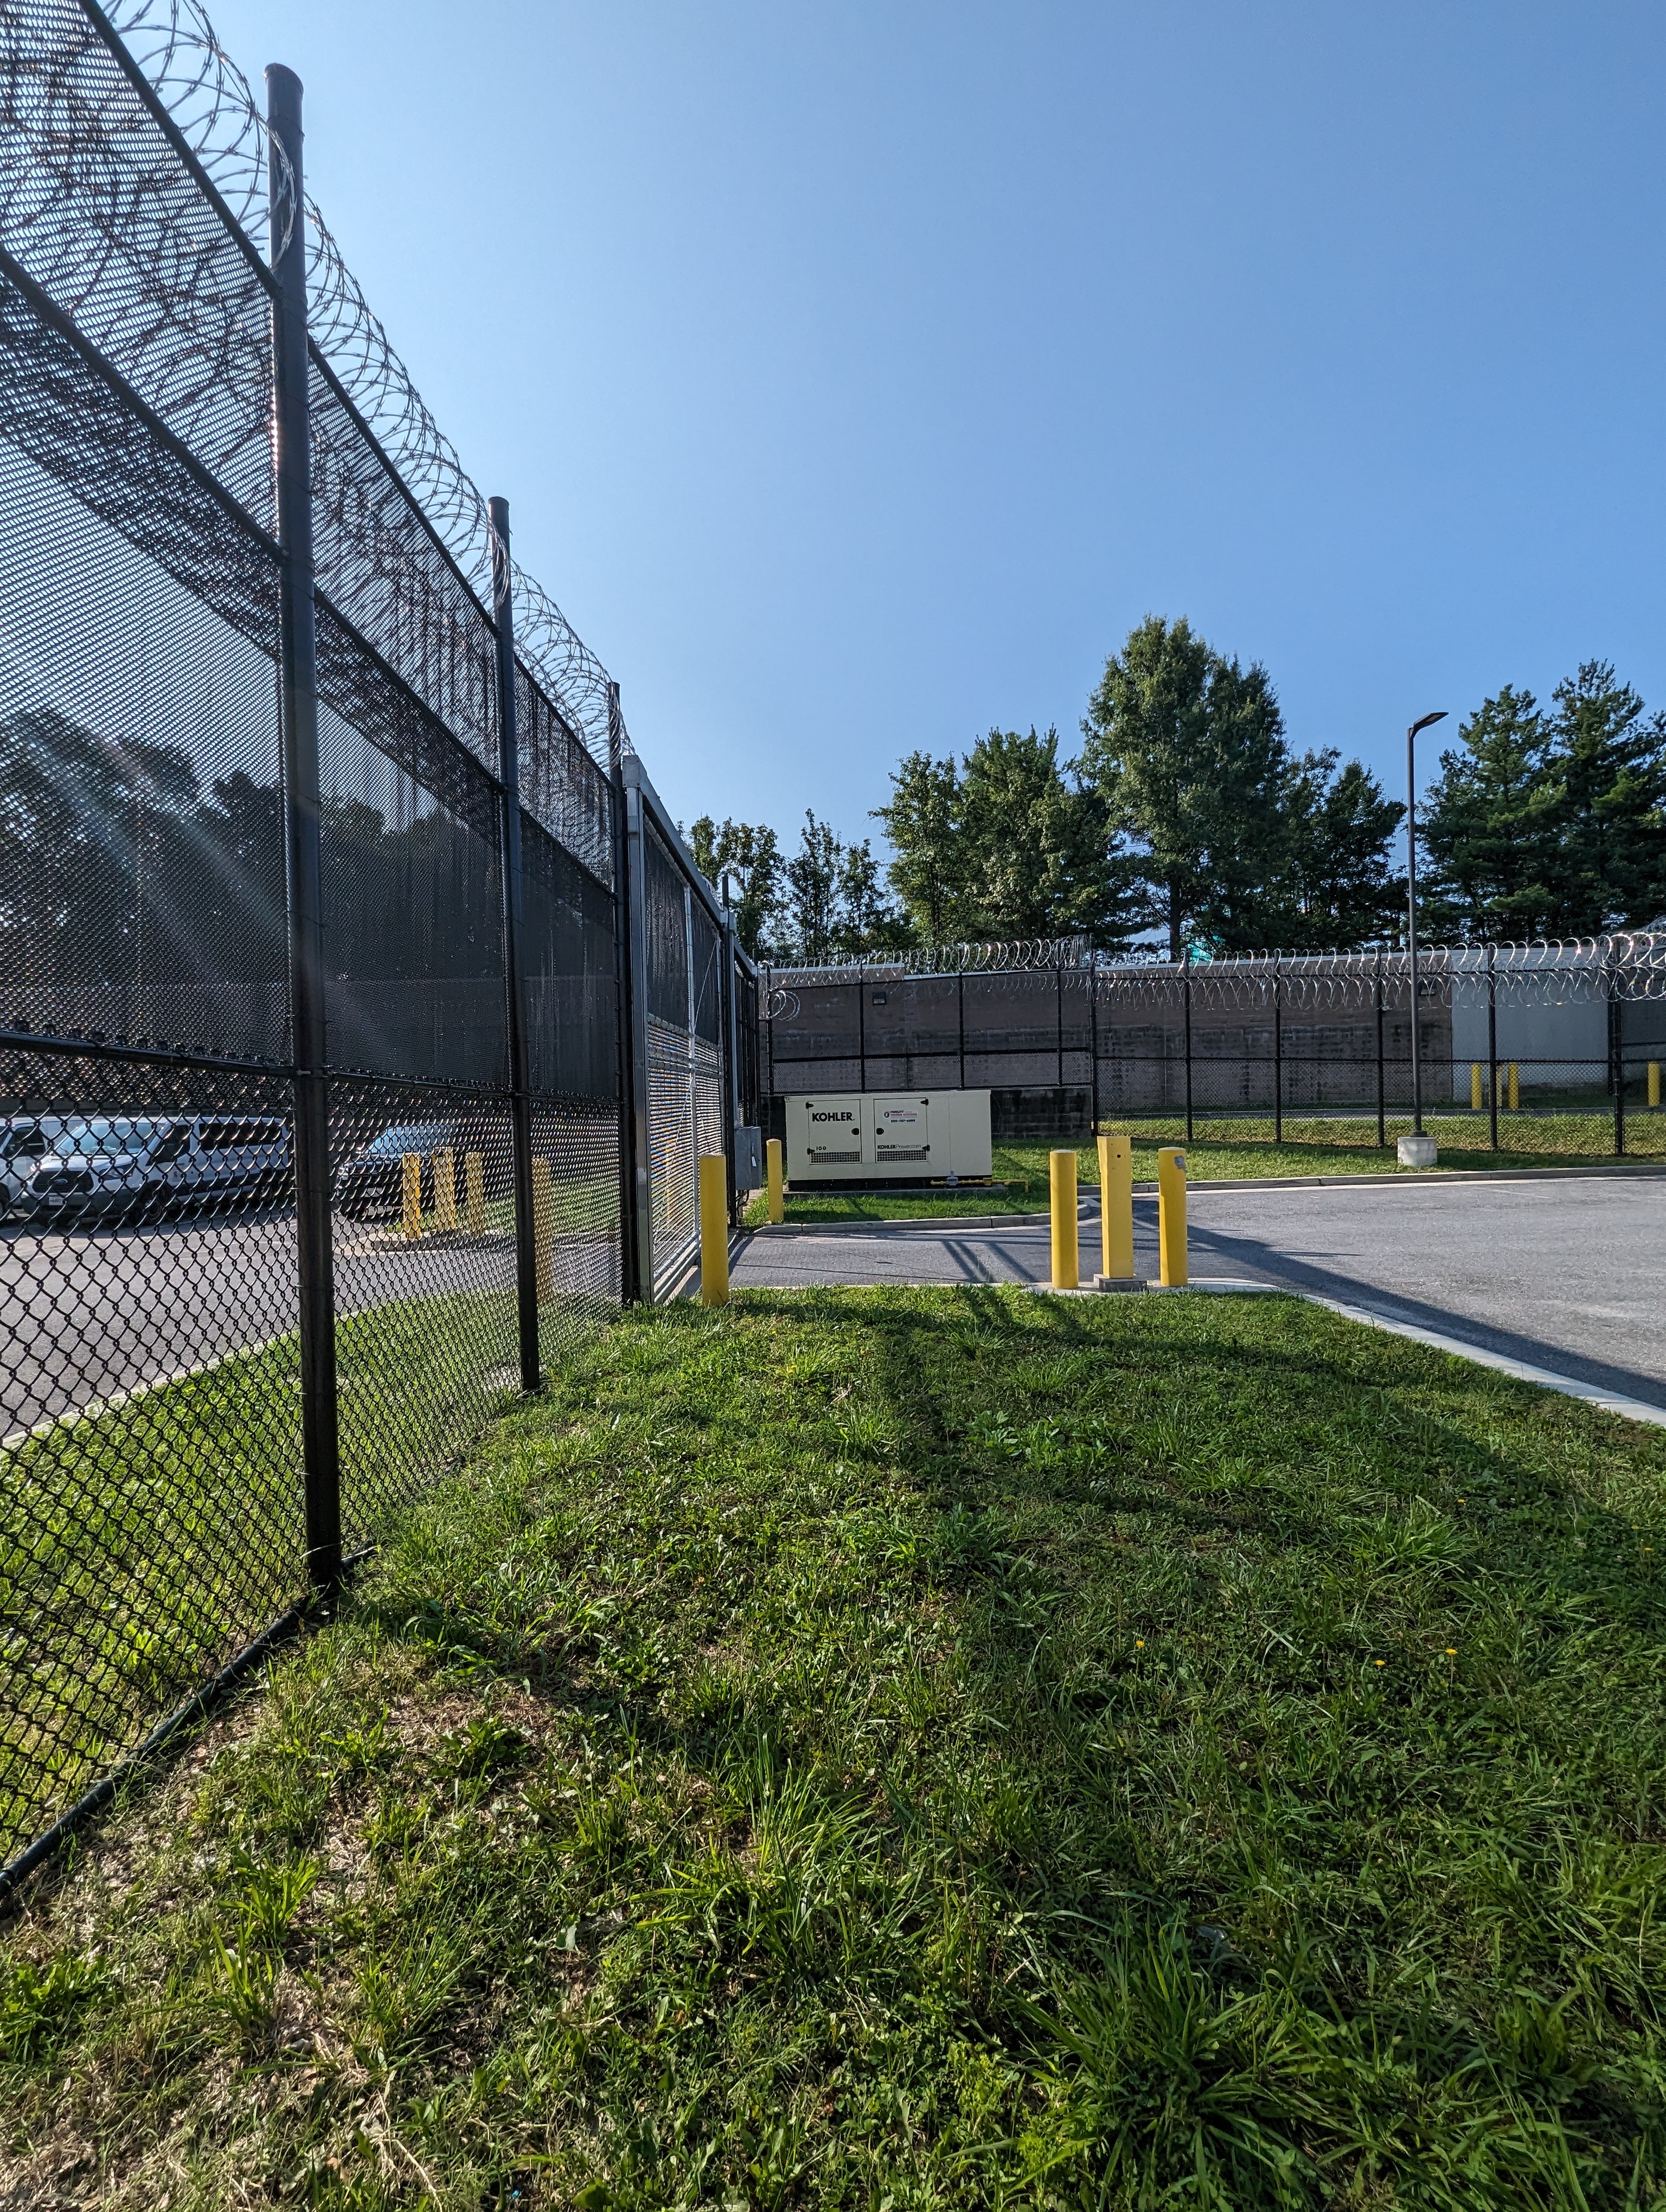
(198, 1157)
(74, 1167)
(370, 1187)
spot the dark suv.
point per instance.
(371, 1186)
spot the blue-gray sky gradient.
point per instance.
(858, 375)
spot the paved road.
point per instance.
(1569, 1275)
(83, 1316)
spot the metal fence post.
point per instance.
(1492, 1044)
(1616, 1053)
(726, 1017)
(636, 926)
(960, 1001)
(298, 688)
(1381, 1109)
(1278, 1054)
(630, 1288)
(1094, 1029)
(514, 980)
(1187, 978)
(861, 1026)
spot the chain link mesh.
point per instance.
(1562, 1042)
(151, 1434)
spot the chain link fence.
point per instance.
(319, 1028)
(1551, 1051)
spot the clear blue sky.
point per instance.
(859, 374)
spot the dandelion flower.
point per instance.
(1138, 1643)
(1451, 1651)
(1379, 1663)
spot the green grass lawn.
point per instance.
(906, 1749)
(1223, 1151)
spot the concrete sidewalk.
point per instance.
(1567, 1276)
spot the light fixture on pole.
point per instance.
(1416, 1150)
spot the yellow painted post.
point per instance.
(1116, 1208)
(714, 1230)
(1474, 1086)
(1654, 1083)
(544, 1227)
(445, 1190)
(1515, 1090)
(1171, 1219)
(777, 1211)
(474, 1179)
(412, 1223)
(1065, 1259)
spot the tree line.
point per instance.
(1186, 824)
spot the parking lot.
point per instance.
(91, 1313)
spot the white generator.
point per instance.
(879, 1136)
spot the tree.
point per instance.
(813, 877)
(1610, 871)
(868, 922)
(1337, 890)
(751, 852)
(1489, 826)
(923, 822)
(1188, 750)
(1037, 855)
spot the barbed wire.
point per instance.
(213, 109)
(213, 104)
(1630, 965)
(993, 958)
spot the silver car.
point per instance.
(57, 1166)
(76, 1167)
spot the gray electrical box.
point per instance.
(748, 1159)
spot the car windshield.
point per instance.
(410, 1136)
(91, 1140)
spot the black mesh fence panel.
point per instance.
(151, 1509)
(685, 1063)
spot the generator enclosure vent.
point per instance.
(887, 1136)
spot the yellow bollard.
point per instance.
(1654, 1083)
(412, 1223)
(714, 1230)
(445, 1190)
(474, 1181)
(777, 1211)
(1474, 1086)
(543, 1228)
(1116, 1208)
(1171, 1219)
(1515, 1090)
(1062, 1174)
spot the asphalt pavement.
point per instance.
(87, 1316)
(1566, 1274)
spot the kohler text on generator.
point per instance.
(885, 1136)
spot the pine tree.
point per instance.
(1491, 824)
(1610, 762)
(1337, 890)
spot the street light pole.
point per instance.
(1422, 723)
